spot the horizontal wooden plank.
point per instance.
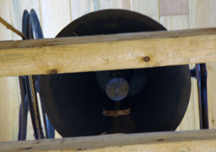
(187, 141)
(107, 52)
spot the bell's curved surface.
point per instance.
(157, 97)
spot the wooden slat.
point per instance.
(112, 4)
(6, 34)
(95, 53)
(176, 22)
(146, 7)
(174, 7)
(80, 8)
(190, 141)
(202, 13)
(9, 97)
(55, 14)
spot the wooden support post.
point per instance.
(187, 141)
(107, 52)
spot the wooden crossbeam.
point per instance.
(107, 52)
(187, 141)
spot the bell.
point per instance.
(116, 101)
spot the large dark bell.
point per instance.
(158, 97)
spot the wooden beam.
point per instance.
(186, 141)
(107, 52)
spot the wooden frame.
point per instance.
(122, 51)
(185, 141)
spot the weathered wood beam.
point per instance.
(107, 52)
(187, 141)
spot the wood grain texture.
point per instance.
(202, 14)
(174, 7)
(80, 8)
(146, 7)
(55, 14)
(179, 22)
(9, 103)
(211, 84)
(9, 93)
(190, 141)
(95, 53)
(6, 34)
(120, 4)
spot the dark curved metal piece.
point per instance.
(23, 88)
(29, 85)
(35, 32)
(34, 26)
(33, 103)
(201, 75)
(158, 97)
